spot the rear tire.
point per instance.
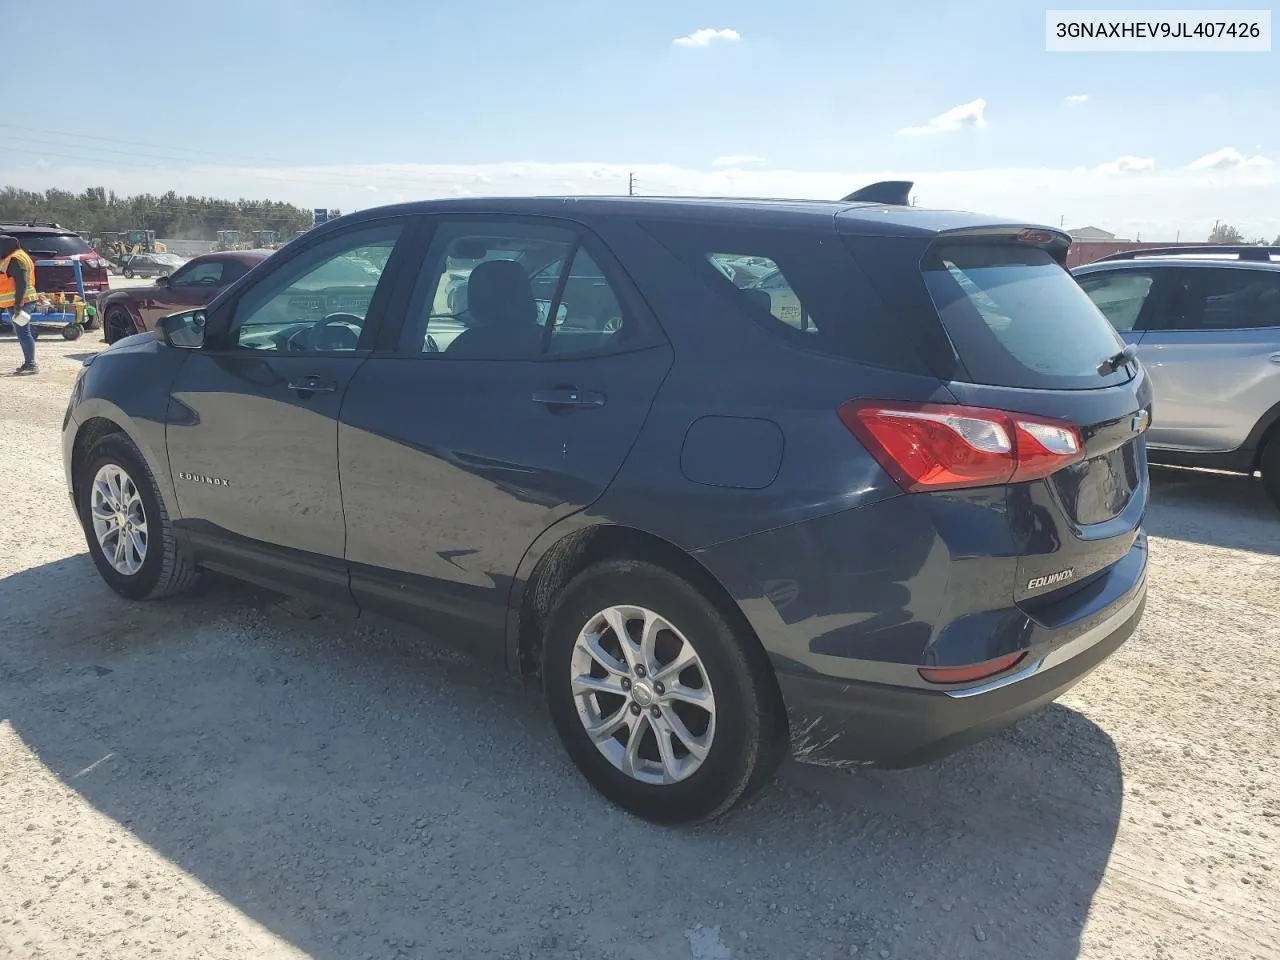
(1269, 463)
(115, 491)
(720, 715)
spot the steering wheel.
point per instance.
(431, 345)
(321, 340)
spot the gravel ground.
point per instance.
(215, 777)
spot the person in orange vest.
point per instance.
(17, 290)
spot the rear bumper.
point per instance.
(836, 722)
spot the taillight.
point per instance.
(933, 446)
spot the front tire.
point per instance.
(662, 704)
(126, 526)
(1269, 463)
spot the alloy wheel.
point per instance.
(643, 695)
(119, 519)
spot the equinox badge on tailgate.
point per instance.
(1062, 576)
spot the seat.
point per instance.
(502, 313)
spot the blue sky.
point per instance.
(342, 104)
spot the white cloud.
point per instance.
(1126, 164)
(705, 37)
(1228, 158)
(1075, 98)
(738, 160)
(1129, 195)
(957, 118)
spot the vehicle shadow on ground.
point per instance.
(360, 794)
(1216, 509)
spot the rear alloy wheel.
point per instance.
(1269, 463)
(643, 695)
(659, 700)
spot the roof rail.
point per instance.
(895, 193)
(31, 223)
(1242, 251)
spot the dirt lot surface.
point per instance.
(214, 777)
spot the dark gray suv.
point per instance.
(868, 501)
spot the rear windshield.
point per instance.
(53, 245)
(1018, 319)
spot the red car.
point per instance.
(136, 309)
(48, 241)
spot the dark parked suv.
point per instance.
(870, 512)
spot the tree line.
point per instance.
(97, 210)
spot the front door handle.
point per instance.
(312, 384)
(1275, 358)
(559, 397)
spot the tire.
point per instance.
(117, 325)
(165, 567)
(128, 273)
(72, 331)
(744, 735)
(1269, 464)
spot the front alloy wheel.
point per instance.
(643, 695)
(119, 519)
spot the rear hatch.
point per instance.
(1006, 327)
(65, 247)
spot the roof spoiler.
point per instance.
(895, 193)
(1243, 252)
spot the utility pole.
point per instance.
(631, 184)
(1062, 220)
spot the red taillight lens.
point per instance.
(932, 446)
(972, 671)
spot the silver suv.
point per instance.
(1206, 323)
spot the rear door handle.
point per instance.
(312, 384)
(569, 397)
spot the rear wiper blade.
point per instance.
(1118, 360)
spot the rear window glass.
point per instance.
(803, 286)
(52, 245)
(1018, 319)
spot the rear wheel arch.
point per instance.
(1266, 431)
(575, 551)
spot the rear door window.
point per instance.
(1017, 319)
(1120, 295)
(1232, 299)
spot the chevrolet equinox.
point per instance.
(852, 480)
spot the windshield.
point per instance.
(1018, 319)
(54, 245)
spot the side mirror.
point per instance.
(162, 281)
(185, 331)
